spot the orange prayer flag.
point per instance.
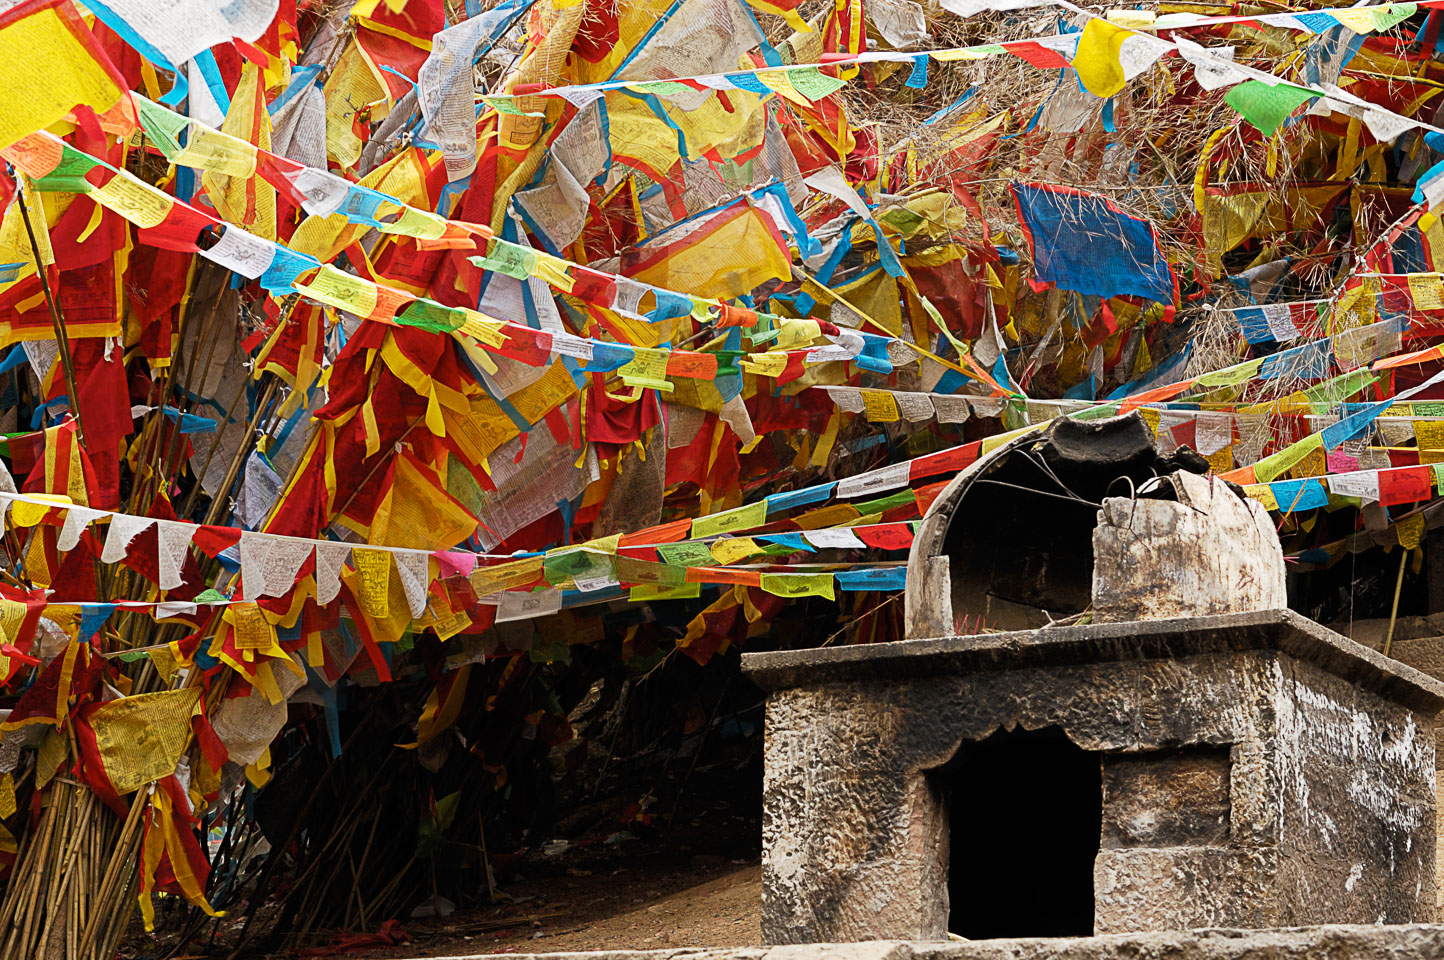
(1241, 476)
(746, 578)
(1166, 392)
(1404, 359)
(662, 533)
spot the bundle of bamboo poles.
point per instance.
(74, 884)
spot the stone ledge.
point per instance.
(1282, 630)
(1334, 942)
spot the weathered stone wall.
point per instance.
(1328, 803)
(854, 840)
(849, 850)
(1416, 642)
(1359, 803)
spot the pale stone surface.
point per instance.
(1328, 746)
(929, 601)
(1207, 551)
(1332, 942)
(1416, 641)
(1017, 528)
(1423, 653)
(1426, 654)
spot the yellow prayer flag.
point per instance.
(64, 73)
(791, 332)
(732, 549)
(138, 202)
(337, 288)
(1429, 434)
(373, 568)
(1357, 20)
(1221, 460)
(799, 584)
(504, 576)
(1263, 493)
(239, 195)
(879, 406)
(350, 89)
(765, 364)
(416, 223)
(217, 152)
(1410, 531)
(24, 514)
(1097, 58)
(647, 368)
(1426, 291)
(140, 739)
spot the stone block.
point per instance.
(1173, 798)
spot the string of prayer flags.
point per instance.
(350, 361)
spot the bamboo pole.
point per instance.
(27, 893)
(56, 319)
(125, 847)
(78, 822)
(215, 445)
(168, 465)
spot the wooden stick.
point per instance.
(379, 464)
(223, 492)
(119, 917)
(169, 464)
(31, 895)
(1394, 611)
(215, 445)
(485, 858)
(69, 841)
(238, 951)
(56, 320)
(120, 857)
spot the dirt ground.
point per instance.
(650, 904)
(644, 848)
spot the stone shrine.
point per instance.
(1139, 738)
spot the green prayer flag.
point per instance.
(687, 554)
(69, 174)
(1265, 106)
(508, 105)
(661, 88)
(1324, 396)
(1391, 14)
(1230, 376)
(430, 315)
(813, 84)
(162, 126)
(515, 261)
(886, 503)
(1271, 467)
(659, 591)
